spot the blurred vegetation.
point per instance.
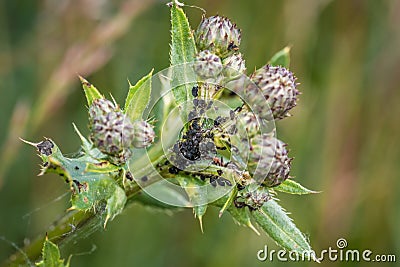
(344, 134)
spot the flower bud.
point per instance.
(248, 120)
(269, 153)
(234, 65)
(219, 35)
(207, 65)
(252, 198)
(111, 131)
(278, 86)
(143, 134)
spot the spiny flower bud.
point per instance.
(234, 65)
(269, 153)
(207, 65)
(279, 88)
(256, 100)
(111, 130)
(143, 134)
(219, 35)
(248, 120)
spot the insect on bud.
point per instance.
(219, 35)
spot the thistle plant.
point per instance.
(220, 155)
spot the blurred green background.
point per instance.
(344, 134)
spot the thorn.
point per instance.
(220, 213)
(105, 222)
(287, 49)
(129, 82)
(115, 102)
(71, 208)
(201, 224)
(27, 142)
(251, 226)
(78, 132)
(84, 81)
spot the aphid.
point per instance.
(173, 170)
(45, 147)
(129, 176)
(232, 114)
(213, 181)
(232, 46)
(195, 91)
(218, 161)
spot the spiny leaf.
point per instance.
(91, 92)
(138, 97)
(291, 187)
(88, 148)
(51, 256)
(228, 202)
(277, 224)
(197, 195)
(90, 190)
(242, 217)
(281, 58)
(183, 50)
(115, 202)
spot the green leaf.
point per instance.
(229, 201)
(91, 189)
(281, 58)
(138, 97)
(277, 224)
(51, 256)
(183, 50)
(291, 187)
(91, 92)
(196, 193)
(242, 217)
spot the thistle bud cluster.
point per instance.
(218, 40)
(113, 133)
(269, 93)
